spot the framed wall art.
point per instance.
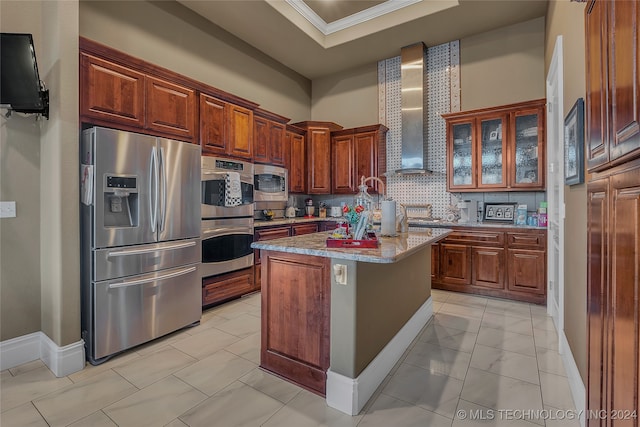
(574, 144)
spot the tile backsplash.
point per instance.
(443, 96)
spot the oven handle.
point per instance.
(126, 252)
(215, 232)
(127, 283)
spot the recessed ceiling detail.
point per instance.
(351, 20)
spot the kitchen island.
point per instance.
(336, 320)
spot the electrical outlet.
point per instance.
(340, 273)
(7, 209)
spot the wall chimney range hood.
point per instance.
(413, 81)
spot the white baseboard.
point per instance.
(578, 390)
(62, 361)
(349, 395)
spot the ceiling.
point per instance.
(320, 37)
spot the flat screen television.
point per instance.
(20, 88)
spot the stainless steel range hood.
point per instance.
(414, 109)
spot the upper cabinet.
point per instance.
(226, 129)
(112, 93)
(355, 153)
(123, 92)
(318, 155)
(613, 78)
(295, 159)
(497, 149)
(268, 138)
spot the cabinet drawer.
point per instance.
(271, 233)
(486, 238)
(537, 240)
(225, 286)
(300, 229)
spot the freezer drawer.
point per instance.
(137, 309)
(112, 263)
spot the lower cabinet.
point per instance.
(508, 264)
(455, 265)
(277, 232)
(226, 286)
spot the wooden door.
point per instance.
(213, 125)
(526, 271)
(260, 140)
(366, 158)
(487, 267)
(623, 376)
(110, 92)
(240, 142)
(455, 264)
(624, 79)
(170, 108)
(596, 30)
(343, 179)
(296, 162)
(318, 160)
(295, 315)
(276, 144)
(597, 295)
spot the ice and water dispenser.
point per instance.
(121, 202)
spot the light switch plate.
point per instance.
(7, 209)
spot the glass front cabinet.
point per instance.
(497, 149)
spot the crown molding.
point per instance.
(349, 21)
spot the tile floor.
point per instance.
(477, 354)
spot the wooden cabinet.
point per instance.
(327, 225)
(268, 138)
(613, 83)
(111, 92)
(497, 149)
(226, 129)
(115, 94)
(508, 264)
(224, 287)
(277, 232)
(295, 318)
(455, 264)
(295, 159)
(318, 155)
(240, 142)
(356, 153)
(613, 287)
(171, 108)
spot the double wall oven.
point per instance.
(227, 215)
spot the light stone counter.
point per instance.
(390, 250)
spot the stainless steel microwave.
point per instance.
(270, 184)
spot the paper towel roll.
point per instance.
(388, 223)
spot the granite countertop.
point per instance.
(431, 224)
(414, 222)
(391, 249)
(288, 221)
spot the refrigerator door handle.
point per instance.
(136, 282)
(163, 184)
(153, 188)
(127, 252)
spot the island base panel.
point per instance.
(295, 318)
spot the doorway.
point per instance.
(555, 189)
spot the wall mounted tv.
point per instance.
(21, 89)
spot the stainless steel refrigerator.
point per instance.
(141, 248)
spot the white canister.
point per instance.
(336, 211)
